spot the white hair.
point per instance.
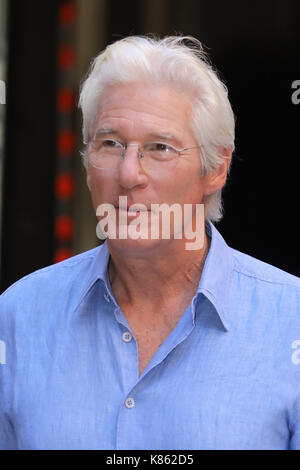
(181, 63)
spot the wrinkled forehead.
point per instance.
(144, 108)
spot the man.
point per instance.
(149, 341)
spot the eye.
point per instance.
(105, 146)
(109, 143)
(160, 151)
(159, 147)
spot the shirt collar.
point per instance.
(214, 283)
(97, 271)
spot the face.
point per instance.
(139, 114)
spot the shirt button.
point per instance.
(129, 402)
(127, 336)
(106, 298)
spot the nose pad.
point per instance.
(139, 150)
(131, 170)
(140, 154)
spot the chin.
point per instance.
(133, 246)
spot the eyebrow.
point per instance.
(166, 137)
(154, 136)
(105, 131)
(163, 136)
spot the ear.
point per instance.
(216, 179)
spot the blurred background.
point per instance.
(45, 52)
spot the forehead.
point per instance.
(138, 108)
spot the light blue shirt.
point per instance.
(227, 377)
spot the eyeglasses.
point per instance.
(106, 154)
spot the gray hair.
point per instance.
(180, 62)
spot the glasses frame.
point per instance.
(140, 148)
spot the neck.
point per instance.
(150, 277)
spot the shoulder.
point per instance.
(247, 270)
(250, 267)
(49, 281)
(266, 287)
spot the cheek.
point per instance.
(99, 182)
(100, 189)
(187, 188)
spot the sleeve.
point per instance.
(295, 428)
(7, 435)
(295, 440)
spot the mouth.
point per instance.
(133, 208)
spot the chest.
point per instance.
(183, 405)
(212, 390)
(149, 341)
(151, 328)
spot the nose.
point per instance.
(131, 172)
